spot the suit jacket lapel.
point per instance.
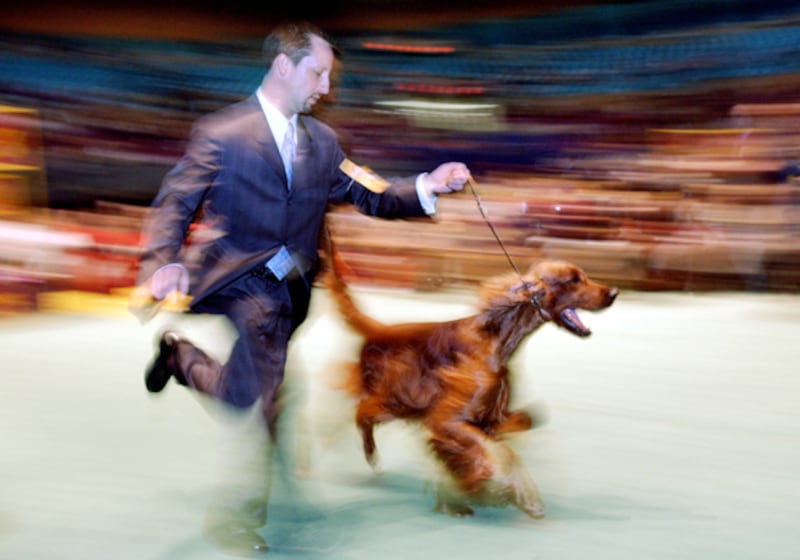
(267, 144)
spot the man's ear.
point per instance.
(283, 63)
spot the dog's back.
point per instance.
(405, 342)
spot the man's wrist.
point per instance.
(426, 196)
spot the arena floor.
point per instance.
(673, 433)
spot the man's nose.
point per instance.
(324, 85)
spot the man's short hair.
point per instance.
(294, 40)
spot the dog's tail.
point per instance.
(334, 280)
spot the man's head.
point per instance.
(293, 39)
(300, 59)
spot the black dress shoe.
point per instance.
(159, 372)
(235, 539)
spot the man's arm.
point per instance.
(448, 177)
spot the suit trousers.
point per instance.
(265, 312)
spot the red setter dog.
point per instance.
(452, 376)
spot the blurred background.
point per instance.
(655, 144)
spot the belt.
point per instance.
(266, 274)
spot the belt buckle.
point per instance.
(264, 273)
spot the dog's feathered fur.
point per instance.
(452, 376)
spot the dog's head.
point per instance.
(561, 288)
(552, 291)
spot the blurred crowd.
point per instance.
(659, 160)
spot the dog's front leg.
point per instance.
(459, 447)
(517, 421)
(449, 499)
(511, 482)
(525, 495)
(532, 416)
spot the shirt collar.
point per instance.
(275, 119)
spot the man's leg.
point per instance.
(247, 384)
(261, 314)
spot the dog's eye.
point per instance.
(575, 278)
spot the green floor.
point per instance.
(674, 433)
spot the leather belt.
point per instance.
(266, 274)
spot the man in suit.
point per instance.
(235, 227)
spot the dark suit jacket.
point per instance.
(225, 207)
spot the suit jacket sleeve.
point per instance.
(176, 205)
(230, 189)
(399, 200)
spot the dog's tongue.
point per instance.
(571, 318)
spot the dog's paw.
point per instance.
(538, 413)
(454, 509)
(375, 464)
(534, 509)
(532, 416)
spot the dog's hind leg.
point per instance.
(369, 413)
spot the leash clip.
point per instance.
(535, 301)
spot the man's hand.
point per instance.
(165, 291)
(448, 177)
(169, 279)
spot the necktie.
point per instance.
(288, 152)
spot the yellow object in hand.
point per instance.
(144, 306)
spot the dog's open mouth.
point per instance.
(571, 320)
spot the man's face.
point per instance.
(311, 77)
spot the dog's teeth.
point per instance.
(571, 317)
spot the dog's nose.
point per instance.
(612, 294)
